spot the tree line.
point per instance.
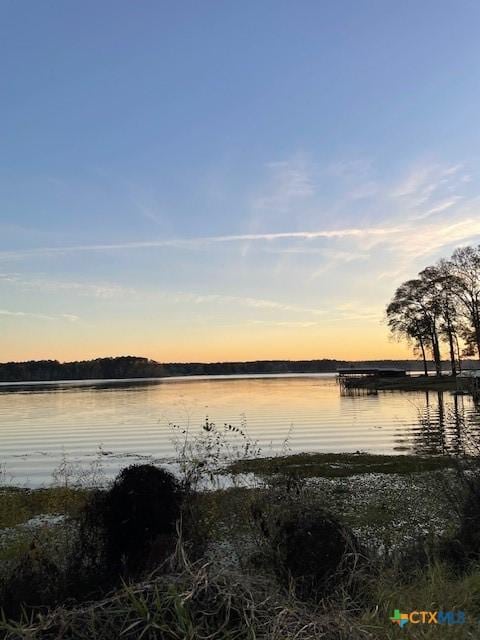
(441, 308)
(137, 367)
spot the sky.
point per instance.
(204, 181)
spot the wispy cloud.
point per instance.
(40, 282)
(207, 240)
(254, 303)
(439, 207)
(430, 188)
(428, 191)
(359, 311)
(433, 238)
(290, 181)
(386, 232)
(425, 179)
(9, 277)
(112, 290)
(70, 317)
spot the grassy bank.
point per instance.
(18, 506)
(339, 465)
(398, 507)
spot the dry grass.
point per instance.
(199, 602)
(192, 602)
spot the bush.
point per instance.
(34, 582)
(139, 517)
(314, 551)
(122, 531)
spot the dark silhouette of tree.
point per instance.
(438, 279)
(414, 314)
(441, 305)
(403, 325)
(464, 268)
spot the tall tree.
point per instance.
(412, 314)
(464, 266)
(440, 283)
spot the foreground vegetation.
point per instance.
(225, 571)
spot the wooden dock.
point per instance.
(374, 372)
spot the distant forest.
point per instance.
(135, 367)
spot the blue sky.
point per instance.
(221, 180)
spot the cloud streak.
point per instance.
(389, 235)
(109, 290)
(206, 240)
(70, 317)
(94, 289)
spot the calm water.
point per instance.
(132, 419)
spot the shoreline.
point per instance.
(412, 383)
(389, 503)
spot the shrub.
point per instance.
(313, 551)
(140, 512)
(34, 582)
(125, 530)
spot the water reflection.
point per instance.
(448, 424)
(77, 385)
(357, 392)
(132, 419)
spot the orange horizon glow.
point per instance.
(218, 348)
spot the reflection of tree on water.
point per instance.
(447, 425)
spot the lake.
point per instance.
(131, 420)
